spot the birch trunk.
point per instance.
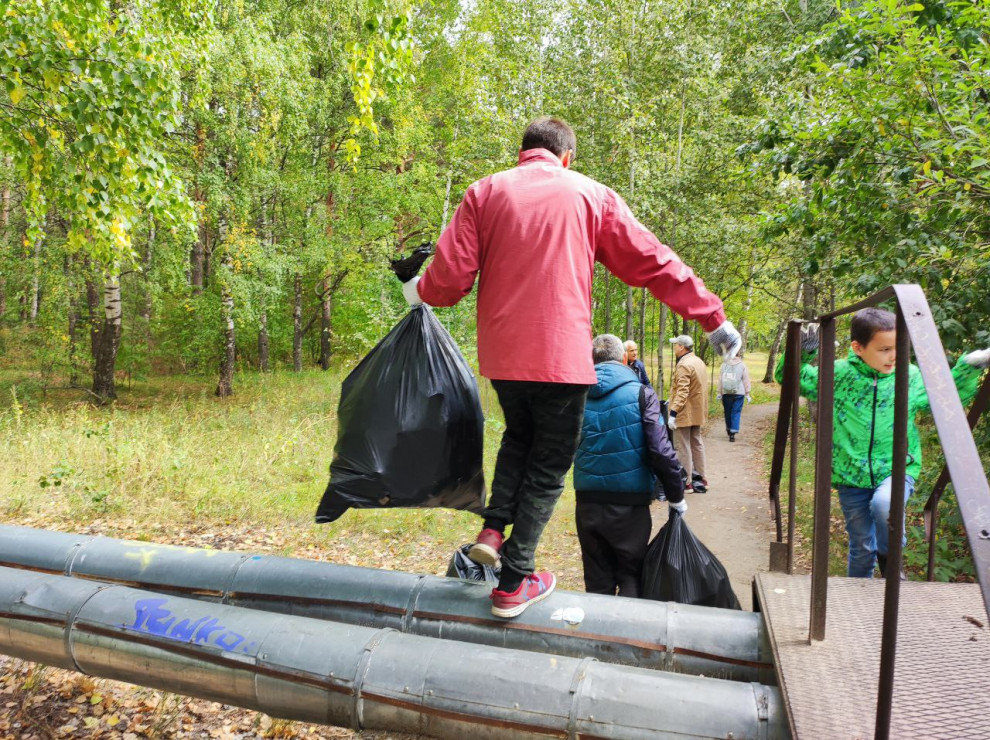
(263, 341)
(73, 320)
(608, 302)
(104, 386)
(95, 321)
(297, 334)
(5, 222)
(630, 312)
(225, 387)
(326, 309)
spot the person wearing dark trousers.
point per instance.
(624, 447)
(530, 237)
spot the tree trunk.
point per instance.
(608, 302)
(5, 223)
(641, 330)
(744, 321)
(810, 303)
(297, 334)
(630, 313)
(95, 321)
(35, 300)
(104, 386)
(661, 343)
(263, 341)
(325, 316)
(148, 303)
(73, 318)
(196, 256)
(225, 387)
(774, 351)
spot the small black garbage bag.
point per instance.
(679, 568)
(410, 426)
(461, 566)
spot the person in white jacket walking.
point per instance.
(733, 390)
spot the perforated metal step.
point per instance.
(942, 676)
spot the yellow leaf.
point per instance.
(17, 95)
(113, 720)
(927, 166)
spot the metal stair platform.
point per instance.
(942, 674)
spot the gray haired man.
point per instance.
(623, 449)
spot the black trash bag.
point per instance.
(461, 566)
(679, 568)
(410, 426)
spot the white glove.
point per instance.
(672, 421)
(809, 338)
(980, 358)
(680, 507)
(411, 293)
(749, 398)
(725, 340)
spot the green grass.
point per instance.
(170, 462)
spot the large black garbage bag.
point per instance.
(410, 426)
(461, 566)
(679, 568)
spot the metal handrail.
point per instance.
(915, 327)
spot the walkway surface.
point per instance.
(733, 519)
(830, 687)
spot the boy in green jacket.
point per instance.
(862, 451)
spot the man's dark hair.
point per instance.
(547, 132)
(866, 323)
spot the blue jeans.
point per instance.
(867, 511)
(732, 404)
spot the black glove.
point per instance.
(809, 338)
(408, 267)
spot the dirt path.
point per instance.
(732, 518)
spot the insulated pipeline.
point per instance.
(648, 634)
(360, 677)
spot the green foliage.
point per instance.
(91, 92)
(886, 126)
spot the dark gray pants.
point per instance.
(613, 538)
(542, 428)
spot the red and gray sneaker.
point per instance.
(485, 551)
(535, 587)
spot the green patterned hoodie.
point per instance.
(862, 450)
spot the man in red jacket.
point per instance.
(533, 233)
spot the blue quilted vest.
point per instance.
(612, 454)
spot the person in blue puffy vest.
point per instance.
(623, 449)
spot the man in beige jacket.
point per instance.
(689, 411)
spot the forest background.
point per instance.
(208, 193)
(199, 200)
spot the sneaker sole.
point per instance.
(483, 554)
(517, 610)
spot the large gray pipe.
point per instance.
(359, 677)
(712, 642)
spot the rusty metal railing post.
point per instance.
(980, 404)
(795, 378)
(823, 478)
(789, 396)
(895, 532)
